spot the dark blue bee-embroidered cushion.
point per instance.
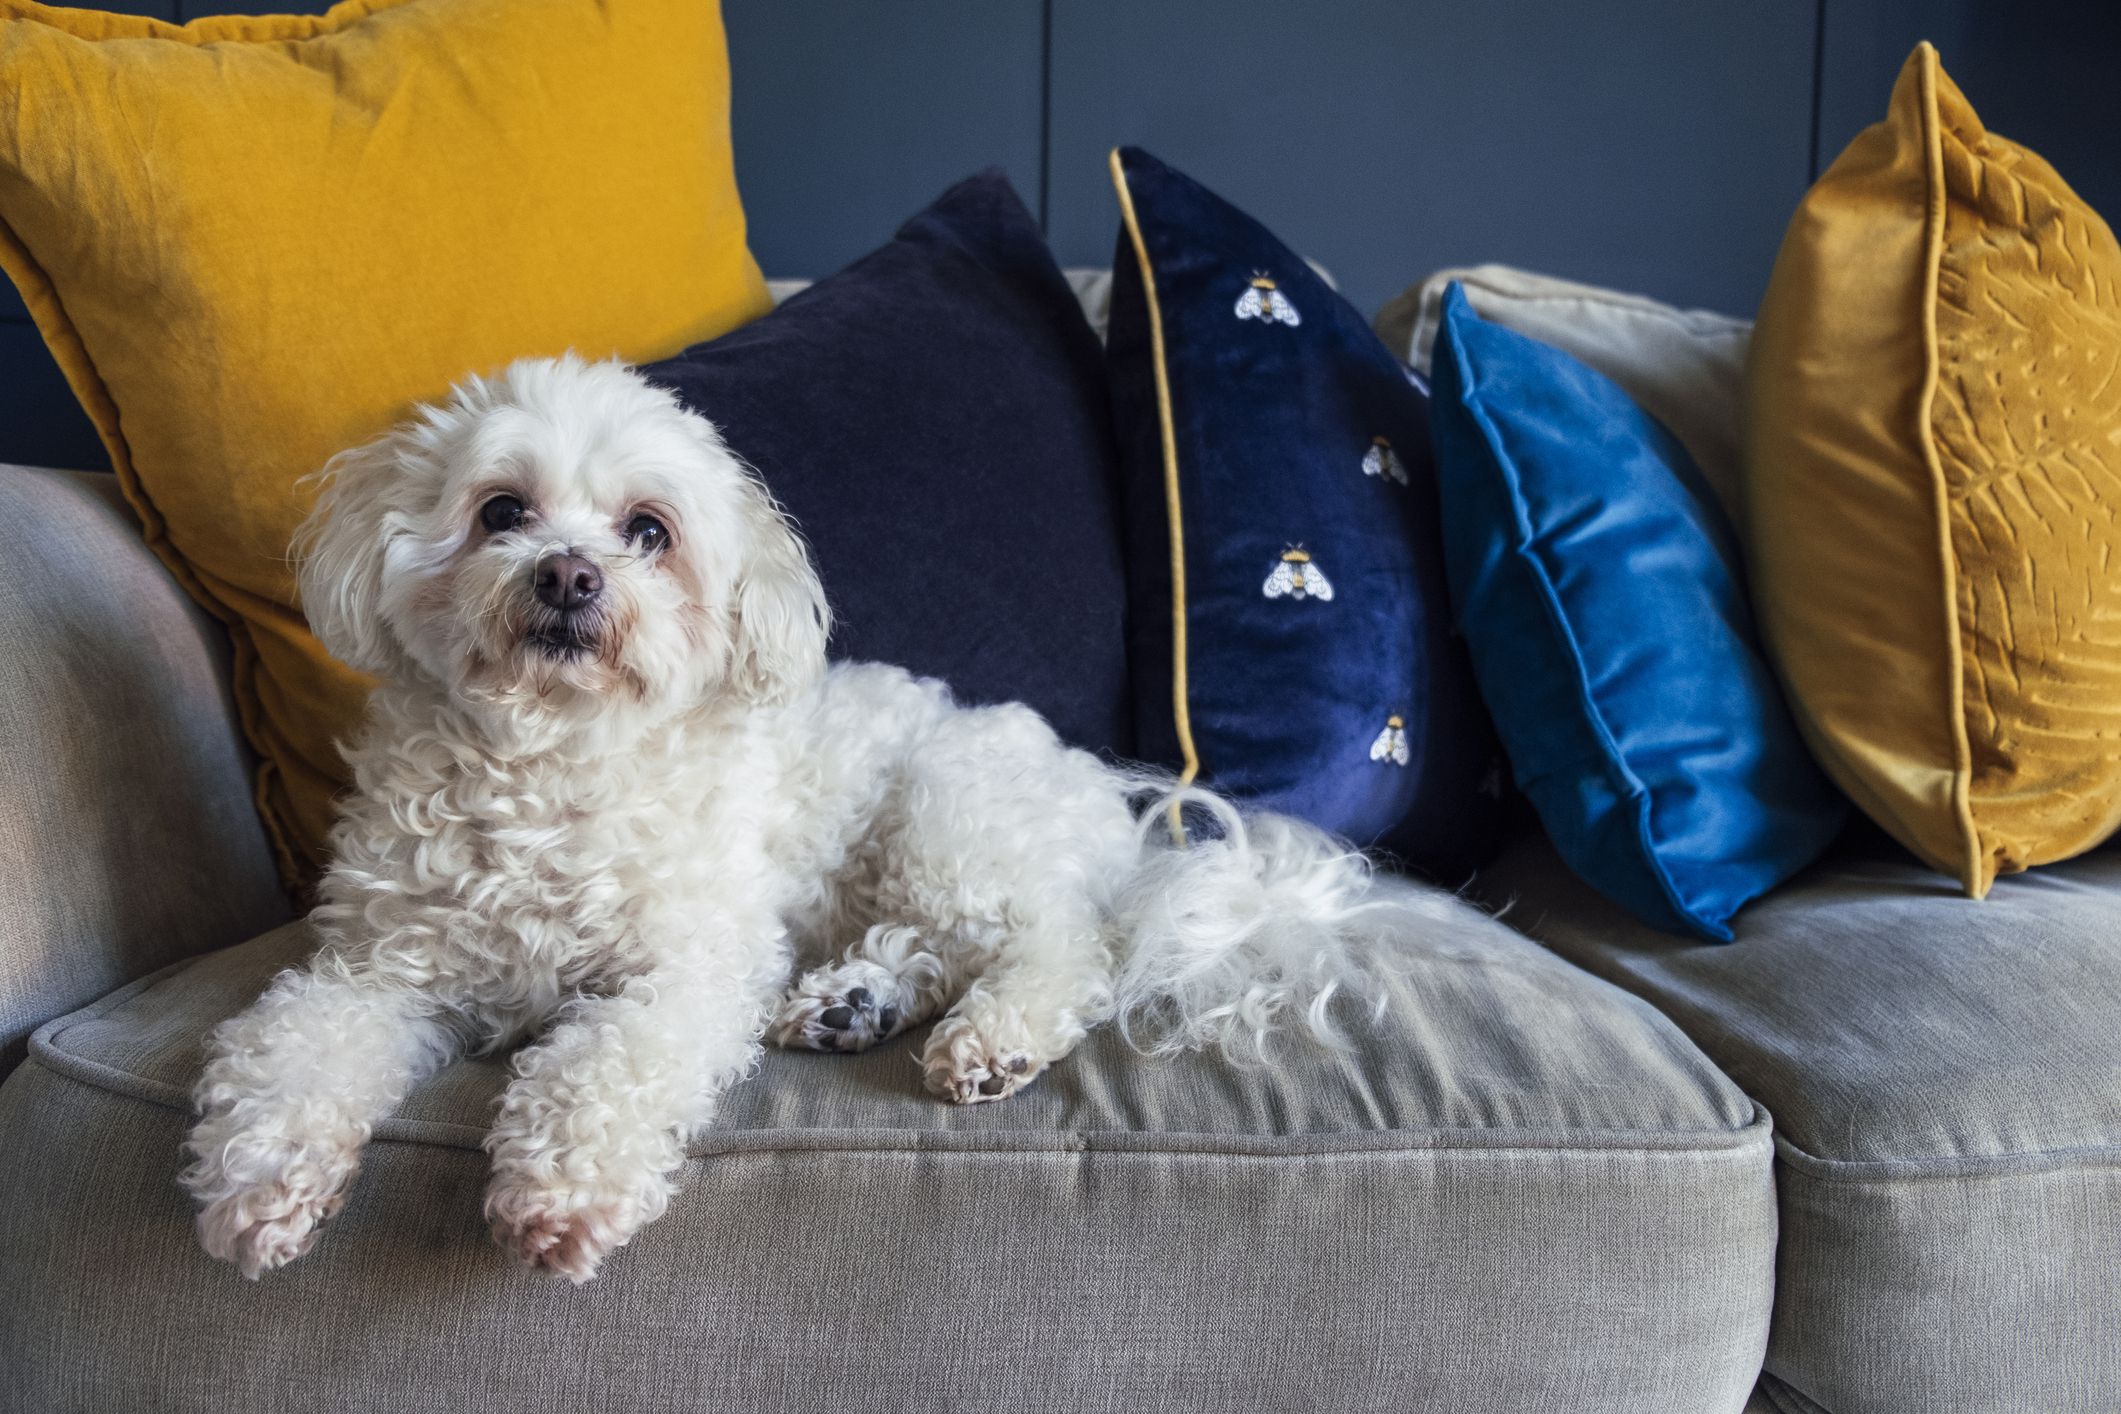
(1599, 584)
(1290, 636)
(934, 417)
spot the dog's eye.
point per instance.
(503, 512)
(647, 533)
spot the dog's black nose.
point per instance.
(566, 581)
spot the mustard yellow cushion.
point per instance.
(252, 242)
(1932, 446)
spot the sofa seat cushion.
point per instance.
(1533, 1195)
(1945, 1081)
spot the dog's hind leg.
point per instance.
(995, 851)
(889, 980)
(1044, 990)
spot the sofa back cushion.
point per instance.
(127, 835)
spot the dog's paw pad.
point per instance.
(963, 1067)
(846, 1007)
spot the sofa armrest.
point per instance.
(127, 835)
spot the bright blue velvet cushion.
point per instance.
(1322, 677)
(1598, 583)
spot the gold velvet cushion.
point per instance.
(1933, 406)
(254, 241)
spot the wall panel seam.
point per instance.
(1045, 116)
(1818, 86)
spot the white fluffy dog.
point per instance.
(609, 795)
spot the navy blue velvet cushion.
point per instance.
(1290, 637)
(934, 418)
(1598, 583)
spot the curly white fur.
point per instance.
(613, 832)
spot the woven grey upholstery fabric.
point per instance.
(1945, 1078)
(1534, 1195)
(127, 836)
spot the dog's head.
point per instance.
(567, 538)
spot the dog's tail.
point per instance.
(1242, 924)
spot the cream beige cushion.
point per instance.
(1683, 366)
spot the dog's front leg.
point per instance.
(593, 1127)
(292, 1087)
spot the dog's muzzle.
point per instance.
(568, 588)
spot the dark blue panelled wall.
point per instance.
(1654, 145)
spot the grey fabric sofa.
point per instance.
(1553, 1186)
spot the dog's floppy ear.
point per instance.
(341, 547)
(781, 618)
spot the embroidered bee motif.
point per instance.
(1382, 461)
(1262, 301)
(1296, 577)
(1391, 743)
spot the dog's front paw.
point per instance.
(262, 1198)
(264, 1227)
(848, 1006)
(967, 1065)
(565, 1228)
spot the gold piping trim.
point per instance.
(1972, 861)
(1179, 702)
